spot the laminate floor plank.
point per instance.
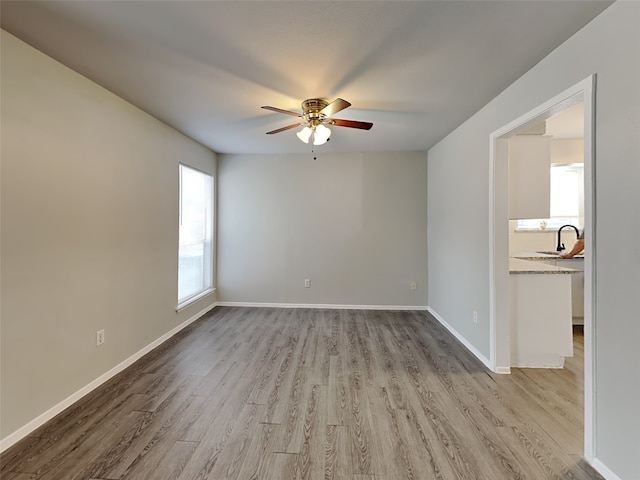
(535, 410)
(479, 409)
(18, 476)
(306, 394)
(452, 443)
(35, 455)
(96, 406)
(288, 386)
(523, 425)
(549, 463)
(386, 452)
(236, 449)
(318, 359)
(484, 452)
(91, 448)
(337, 464)
(312, 451)
(224, 446)
(352, 348)
(167, 419)
(217, 377)
(284, 466)
(426, 422)
(133, 462)
(417, 447)
(391, 377)
(274, 396)
(260, 454)
(264, 376)
(376, 361)
(210, 424)
(290, 435)
(337, 396)
(167, 466)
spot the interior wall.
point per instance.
(458, 169)
(354, 224)
(567, 150)
(89, 198)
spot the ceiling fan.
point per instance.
(316, 115)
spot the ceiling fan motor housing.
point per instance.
(312, 108)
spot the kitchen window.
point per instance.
(195, 251)
(566, 199)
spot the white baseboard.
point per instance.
(25, 430)
(322, 306)
(461, 339)
(503, 370)
(603, 470)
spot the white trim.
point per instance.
(603, 470)
(502, 370)
(499, 361)
(210, 233)
(499, 325)
(25, 430)
(461, 339)
(323, 306)
(190, 300)
(590, 274)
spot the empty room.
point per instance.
(373, 240)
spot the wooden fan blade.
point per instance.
(334, 107)
(279, 110)
(288, 127)
(350, 123)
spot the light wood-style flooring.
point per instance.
(260, 393)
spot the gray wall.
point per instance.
(458, 233)
(354, 224)
(89, 198)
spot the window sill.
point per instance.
(191, 300)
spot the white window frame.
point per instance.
(208, 242)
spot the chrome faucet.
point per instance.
(560, 245)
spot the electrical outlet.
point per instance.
(307, 283)
(99, 337)
(475, 317)
(413, 285)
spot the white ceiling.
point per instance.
(415, 69)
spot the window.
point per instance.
(195, 252)
(567, 199)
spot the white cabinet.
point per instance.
(577, 287)
(540, 310)
(529, 188)
(577, 279)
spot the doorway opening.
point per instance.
(500, 322)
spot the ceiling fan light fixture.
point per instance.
(304, 134)
(321, 135)
(316, 114)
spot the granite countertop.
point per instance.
(518, 265)
(543, 256)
